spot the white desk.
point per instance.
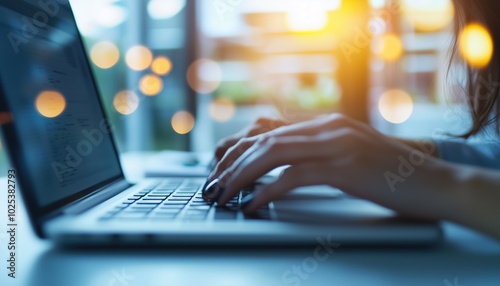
(470, 258)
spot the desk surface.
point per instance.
(466, 258)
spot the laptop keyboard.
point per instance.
(179, 199)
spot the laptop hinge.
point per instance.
(96, 197)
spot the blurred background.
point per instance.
(181, 74)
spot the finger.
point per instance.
(231, 156)
(308, 174)
(262, 125)
(278, 152)
(223, 146)
(214, 187)
(319, 125)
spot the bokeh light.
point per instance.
(476, 45)
(396, 106)
(307, 16)
(389, 47)
(139, 58)
(183, 122)
(50, 103)
(104, 54)
(222, 109)
(93, 15)
(428, 15)
(110, 16)
(161, 66)
(165, 9)
(378, 4)
(204, 76)
(126, 102)
(150, 85)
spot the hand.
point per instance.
(339, 152)
(262, 125)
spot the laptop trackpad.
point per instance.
(326, 205)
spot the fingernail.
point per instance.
(212, 190)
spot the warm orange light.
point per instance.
(105, 55)
(183, 122)
(50, 103)
(204, 76)
(151, 85)
(222, 109)
(161, 66)
(476, 45)
(126, 102)
(428, 15)
(389, 47)
(395, 106)
(139, 58)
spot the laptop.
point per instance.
(61, 144)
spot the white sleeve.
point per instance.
(482, 154)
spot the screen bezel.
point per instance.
(38, 214)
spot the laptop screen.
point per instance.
(63, 139)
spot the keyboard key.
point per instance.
(185, 193)
(150, 202)
(167, 211)
(171, 190)
(152, 199)
(175, 203)
(167, 208)
(164, 196)
(131, 210)
(178, 200)
(188, 189)
(143, 206)
(199, 207)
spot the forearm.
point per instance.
(426, 146)
(477, 200)
(444, 191)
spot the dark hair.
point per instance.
(483, 85)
